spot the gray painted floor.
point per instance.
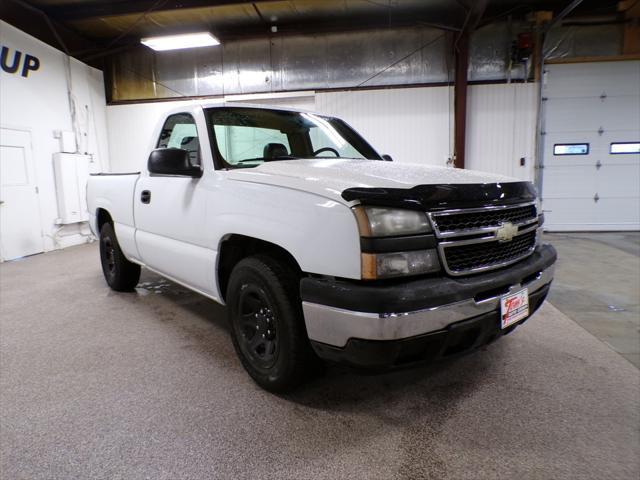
(597, 285)
(96, 384)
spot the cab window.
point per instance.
(179, 131)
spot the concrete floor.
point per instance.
(597, 285)
(97, 384)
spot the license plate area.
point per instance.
(514, 307)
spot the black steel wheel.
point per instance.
(258, 330)
(109, 255)
(121, 275)
(267, 327)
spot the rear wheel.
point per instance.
(120, 273)
(266, 322)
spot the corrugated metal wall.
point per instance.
(384, 57)
(286, 63)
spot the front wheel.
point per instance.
(266, 323)
(121, 275)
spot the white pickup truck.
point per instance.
(320, 247)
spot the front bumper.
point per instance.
(375, 326)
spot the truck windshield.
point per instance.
(247, 137)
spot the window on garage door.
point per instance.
(624, 148)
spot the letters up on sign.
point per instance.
(24, 64)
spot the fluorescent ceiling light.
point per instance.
(177, 42)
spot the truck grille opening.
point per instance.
(490, 218)
(481, 239)
(465, 258)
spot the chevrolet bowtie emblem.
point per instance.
(506, 232)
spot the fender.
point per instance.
(310, 230)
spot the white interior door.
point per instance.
(20, 229)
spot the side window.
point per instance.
(179, 131)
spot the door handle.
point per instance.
(145, 196)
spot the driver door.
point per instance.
(170, 214)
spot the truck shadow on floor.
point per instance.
(202, 326)
(416, 403)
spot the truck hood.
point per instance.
(331, 177)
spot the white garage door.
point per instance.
(591, 175)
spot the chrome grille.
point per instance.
(481, 239)
(454, 222)
(479, 255)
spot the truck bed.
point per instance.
(113, 192)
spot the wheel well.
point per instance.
(236, 247)
(102, 217)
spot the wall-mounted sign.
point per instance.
(17, 62)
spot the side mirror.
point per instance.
(387, 158)
(172, 161)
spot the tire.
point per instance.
(266, 323)
(121, 275)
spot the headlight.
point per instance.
(390, 222)
(396, 264)
(410, 253)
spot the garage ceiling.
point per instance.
(88, 27)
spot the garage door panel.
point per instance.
(569, 182)
(571, 214)
(592, 79)
(621, 159)
(568, 213)
(621, 181)
(577, 114)
(618, 213)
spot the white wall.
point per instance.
(130, 128)
(416, 124)
(501, 128)
(413, 125)
(39, 104)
